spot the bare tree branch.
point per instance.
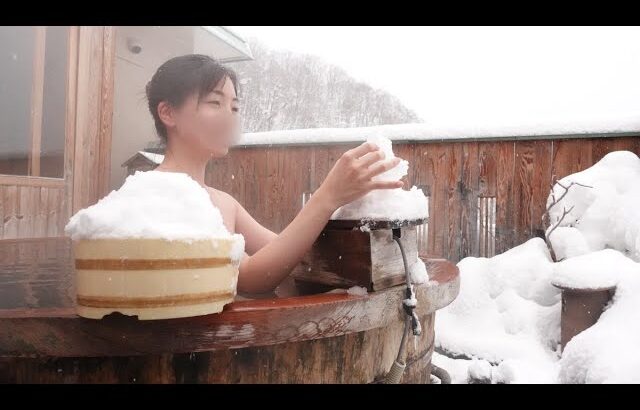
(564, 213)
(554, 202)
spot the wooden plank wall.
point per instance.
(36, 273)
(32, 211)
(269, 182)
(93, 116)
(33, 207)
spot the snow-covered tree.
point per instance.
(282, 90)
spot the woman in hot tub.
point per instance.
(193, 101)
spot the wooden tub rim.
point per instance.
(61, 333)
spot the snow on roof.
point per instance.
(155, 158)
(232, 40)
(601, 127)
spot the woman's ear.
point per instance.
(166, 114)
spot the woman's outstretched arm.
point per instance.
(348, 180)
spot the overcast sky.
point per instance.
(483, 74)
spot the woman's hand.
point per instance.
(349, 179)
(351, 176)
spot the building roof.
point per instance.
(227, 46)
(149, 156)
(459, 131)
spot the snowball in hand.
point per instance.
(396, 173)
(387, 204)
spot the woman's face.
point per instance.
(210, 125)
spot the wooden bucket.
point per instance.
(153, 278)
(343, 255)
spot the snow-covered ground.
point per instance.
(504, 327)
(603, 216)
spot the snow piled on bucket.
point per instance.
(387, 204)
(154, 204)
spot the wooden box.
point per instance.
(346, 254)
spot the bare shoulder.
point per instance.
(222, 197)
(227, 206)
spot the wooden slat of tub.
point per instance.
(30, 333)
(362, 357)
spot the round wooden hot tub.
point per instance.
(319, 338)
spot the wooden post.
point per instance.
(94, 111)
(37, 90)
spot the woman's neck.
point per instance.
(178, 158)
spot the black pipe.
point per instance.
(409, 295)
(398, 366)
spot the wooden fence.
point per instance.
(484, 196)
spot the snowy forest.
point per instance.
(283, 90)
